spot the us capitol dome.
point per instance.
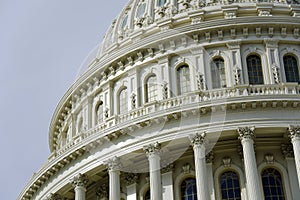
(184, 100)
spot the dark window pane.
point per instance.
(255, 74)
(272, 184)
(230, 186)
(291, 69)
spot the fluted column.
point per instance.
(80, 182)
(153, 153)
(246, 135)
(294, 134)
(199, 142)
(114, 166)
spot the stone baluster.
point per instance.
(114, 166)
(80, 182)
(246, 135)
(294, 134)
(199, 142)
(153, 153)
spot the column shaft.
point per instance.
(114, 184)
(296, 148)
(252, 178)
(79, 193)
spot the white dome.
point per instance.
(220, 75)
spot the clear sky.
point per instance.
(42, 45)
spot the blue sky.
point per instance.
(42, 45)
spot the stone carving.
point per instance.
(152, 149)
(264, 13)
(54, 197)
(131, 178)
(209, 157)
(237, 76)
(269, 158)
(161, 11)
(168, 168)
(139, 21)
(186, 168)
(226, 161)
(230, 14)
(200, 81)
(199, 139)
(287, 150)
(113, 163)
(106, 112)
(275, 70)
(164, 87)
(80, 180)
(246, 132)
(293, 131)
(102, 192)
(133, 100)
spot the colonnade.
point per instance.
(199, 142)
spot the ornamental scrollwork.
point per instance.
(113, 163)
(80, 180)
(294, 132)
(102, 192)
(246, 132)
(199, 139)
(131, 178)
(152, 149)
(287, 150)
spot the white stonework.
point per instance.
(182, 94)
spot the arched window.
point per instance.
(80, 125)
(123, 101)
(147, 195)
(255, 74)
(141, 10)
(151, 88)
(230, 186)
(183, 79)
(218, 75)
(272, 184)
(99, 113)
(291, 69)
(160, 3)
(188, 189)
(124, 22)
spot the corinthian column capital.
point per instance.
(113, 163)
(294, 131)
(54, 197)
(199, 139)
(152, 149)
(80, 180)
(246, 132)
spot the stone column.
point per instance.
(114, 166)
(288, 153)
(131, 180)
(246, 135)
(153, 154)
(294, 134)
(199, 142)
(167, 182)
(210, 176)
(80, 183)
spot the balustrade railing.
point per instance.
(169, 105)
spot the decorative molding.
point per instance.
(54, 197)
(199, 139)
(131, 178)
(102, 192)
(113, 163)
(226, 161)
(186, 168)
(294, 132)
(80, 180)
(287, 150)
(246, 132)
(269, 158)
(152, 149)
(168, 168)
(209, 157)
